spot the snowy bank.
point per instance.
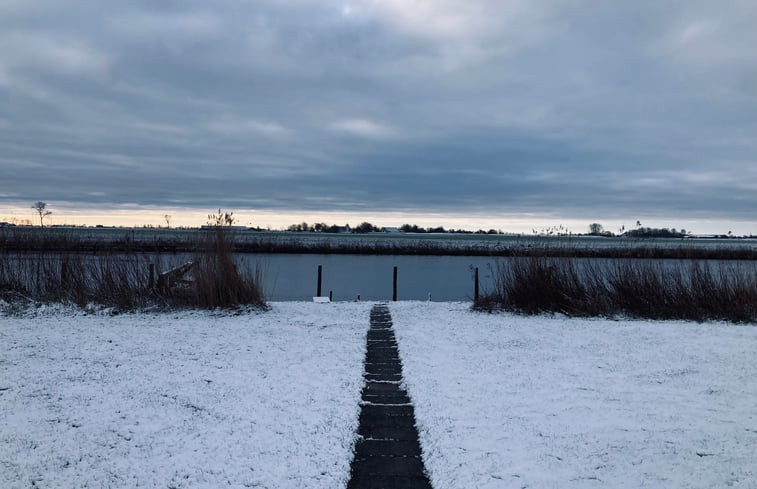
(265, 400)
(504, 401)
(271, 400)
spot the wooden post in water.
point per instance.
(151, 275)
(475, 286)
(394, 288)
(320, 274)
(331, 296)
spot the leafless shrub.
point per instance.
(217, 278)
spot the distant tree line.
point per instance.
(367, 227)
(320, 227)
(643, 232)
(413, 228)
(596, 229)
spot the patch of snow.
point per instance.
(189, 399)
(507, 401)
(271, 399)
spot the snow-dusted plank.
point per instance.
(507, 402)
(267, 400)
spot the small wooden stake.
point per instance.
(394, 289)
(475, 286)
(320, 274)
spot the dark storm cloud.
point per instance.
(486, 106)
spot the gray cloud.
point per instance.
(561, 107)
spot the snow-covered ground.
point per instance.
(503, 401)
(271, 400)
(267, 400)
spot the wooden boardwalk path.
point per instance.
(388, 454)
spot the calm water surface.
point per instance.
(294, 277)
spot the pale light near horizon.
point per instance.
(139, 216)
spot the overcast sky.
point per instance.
(565, 109)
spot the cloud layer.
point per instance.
(561, 107)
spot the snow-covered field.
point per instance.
(271, 400)
(266, 400)
(503, 401)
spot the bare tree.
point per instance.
(167, 217)
(41, 208)
(596, 228)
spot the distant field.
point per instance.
(185, 240)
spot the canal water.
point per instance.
(293, 277)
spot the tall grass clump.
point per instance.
(217, 278)
(122, 281)
(652, 289)
(117, 281)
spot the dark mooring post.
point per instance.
(475, 285)
(394, 288)
(320, 275)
